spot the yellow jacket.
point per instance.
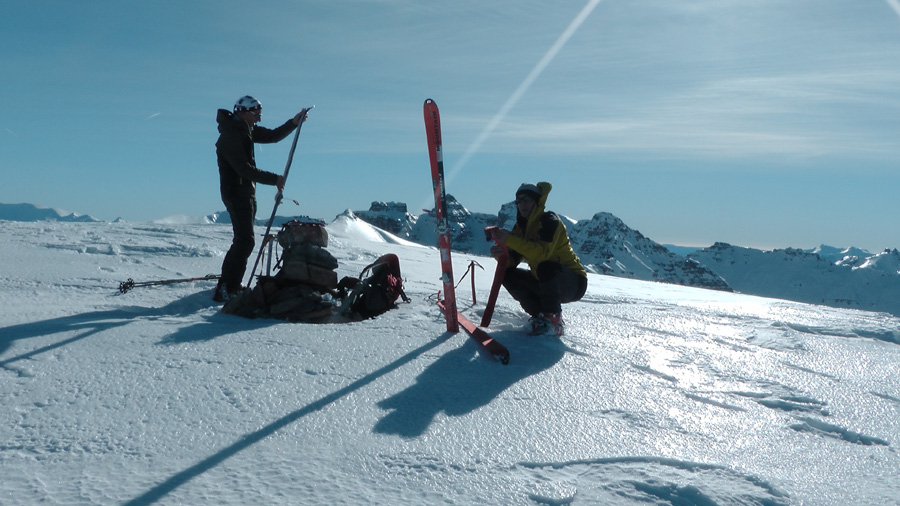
(533, 242)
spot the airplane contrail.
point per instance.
(526, 83)
(895, 4)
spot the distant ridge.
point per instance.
(871, 284)
(31, 212)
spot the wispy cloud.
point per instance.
(12, 133)
(799, 115)
(154, 115)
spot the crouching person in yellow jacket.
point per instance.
(556, 275)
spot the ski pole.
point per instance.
(279, 194)
(126, 286)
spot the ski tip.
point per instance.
(503, 359)
(428, 101)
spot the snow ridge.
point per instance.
(30, 212)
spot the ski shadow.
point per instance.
(463, 381)
(85, 325)
(178, 479)
(215, 326)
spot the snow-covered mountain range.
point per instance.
(839, 277)
(604, 243)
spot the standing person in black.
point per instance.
(238, 176)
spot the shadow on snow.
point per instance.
(461, 381)
(457, 383)
(88, 324)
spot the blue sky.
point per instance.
(762, 123)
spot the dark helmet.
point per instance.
(530, 190)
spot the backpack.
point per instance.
(376, 293)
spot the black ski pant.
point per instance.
(241, 206)
(553, 286)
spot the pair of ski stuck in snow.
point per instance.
(454, 318)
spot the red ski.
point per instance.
(487, 343)
(498, 282)
(454, 318)
(433, 132)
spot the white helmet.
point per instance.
(247, 103)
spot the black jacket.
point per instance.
(235, 154)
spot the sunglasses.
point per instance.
(523, 199)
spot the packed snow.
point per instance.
(657, 394)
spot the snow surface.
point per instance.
(658, 394)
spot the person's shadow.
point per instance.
(463, 380)
(85, 325)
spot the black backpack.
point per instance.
(376, 293)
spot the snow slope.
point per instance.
(658, 394)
